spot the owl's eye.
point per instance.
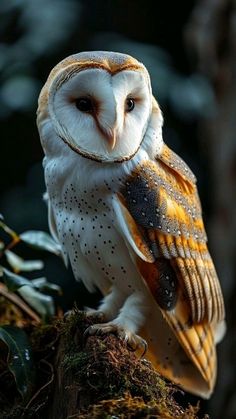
(130, 103)
(84, 104)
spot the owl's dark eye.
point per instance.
(84, 104)
(130, 104)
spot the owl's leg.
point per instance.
(129, 320)
(110, 305)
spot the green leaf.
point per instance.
(41, 303)
(14, 281)
(43, 285)
(20, 360)
(41, 240)
(19, 264)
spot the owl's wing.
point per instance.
(159, 213)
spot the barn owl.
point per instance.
(126, 212)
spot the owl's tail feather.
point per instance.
(183, 353)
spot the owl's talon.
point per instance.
(87, 333)
(96, 314)
(133, 341)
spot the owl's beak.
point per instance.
(109, 134)
(111, 138)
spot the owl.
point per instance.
(126, 212)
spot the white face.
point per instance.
(102, 116)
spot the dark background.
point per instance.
(189, 47)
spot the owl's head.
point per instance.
(99, 104)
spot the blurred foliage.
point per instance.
(30, 290)
(27, 36)
(29, 30)
(29, 301)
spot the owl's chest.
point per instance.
(82, 214)
(86, 227)
(94, 225)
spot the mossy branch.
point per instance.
(97, 378)
(101, 378)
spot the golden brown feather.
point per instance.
(161, 203)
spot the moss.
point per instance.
(129, 407)
(75, 361)
(98, 375)
(117, 382)
(44, 336)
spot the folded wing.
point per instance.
(159, 213)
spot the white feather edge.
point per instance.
(219, 331)
(123, 228)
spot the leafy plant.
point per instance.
(29, 290)
(30, 295)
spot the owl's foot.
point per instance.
(95, 314)
(133, 341)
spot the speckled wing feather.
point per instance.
(197, 339)
(160, 215)
(161, 200)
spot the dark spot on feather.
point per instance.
(142, 202)
(167, 285)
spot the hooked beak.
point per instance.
(111, 137)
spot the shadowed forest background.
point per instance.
(189, 48)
